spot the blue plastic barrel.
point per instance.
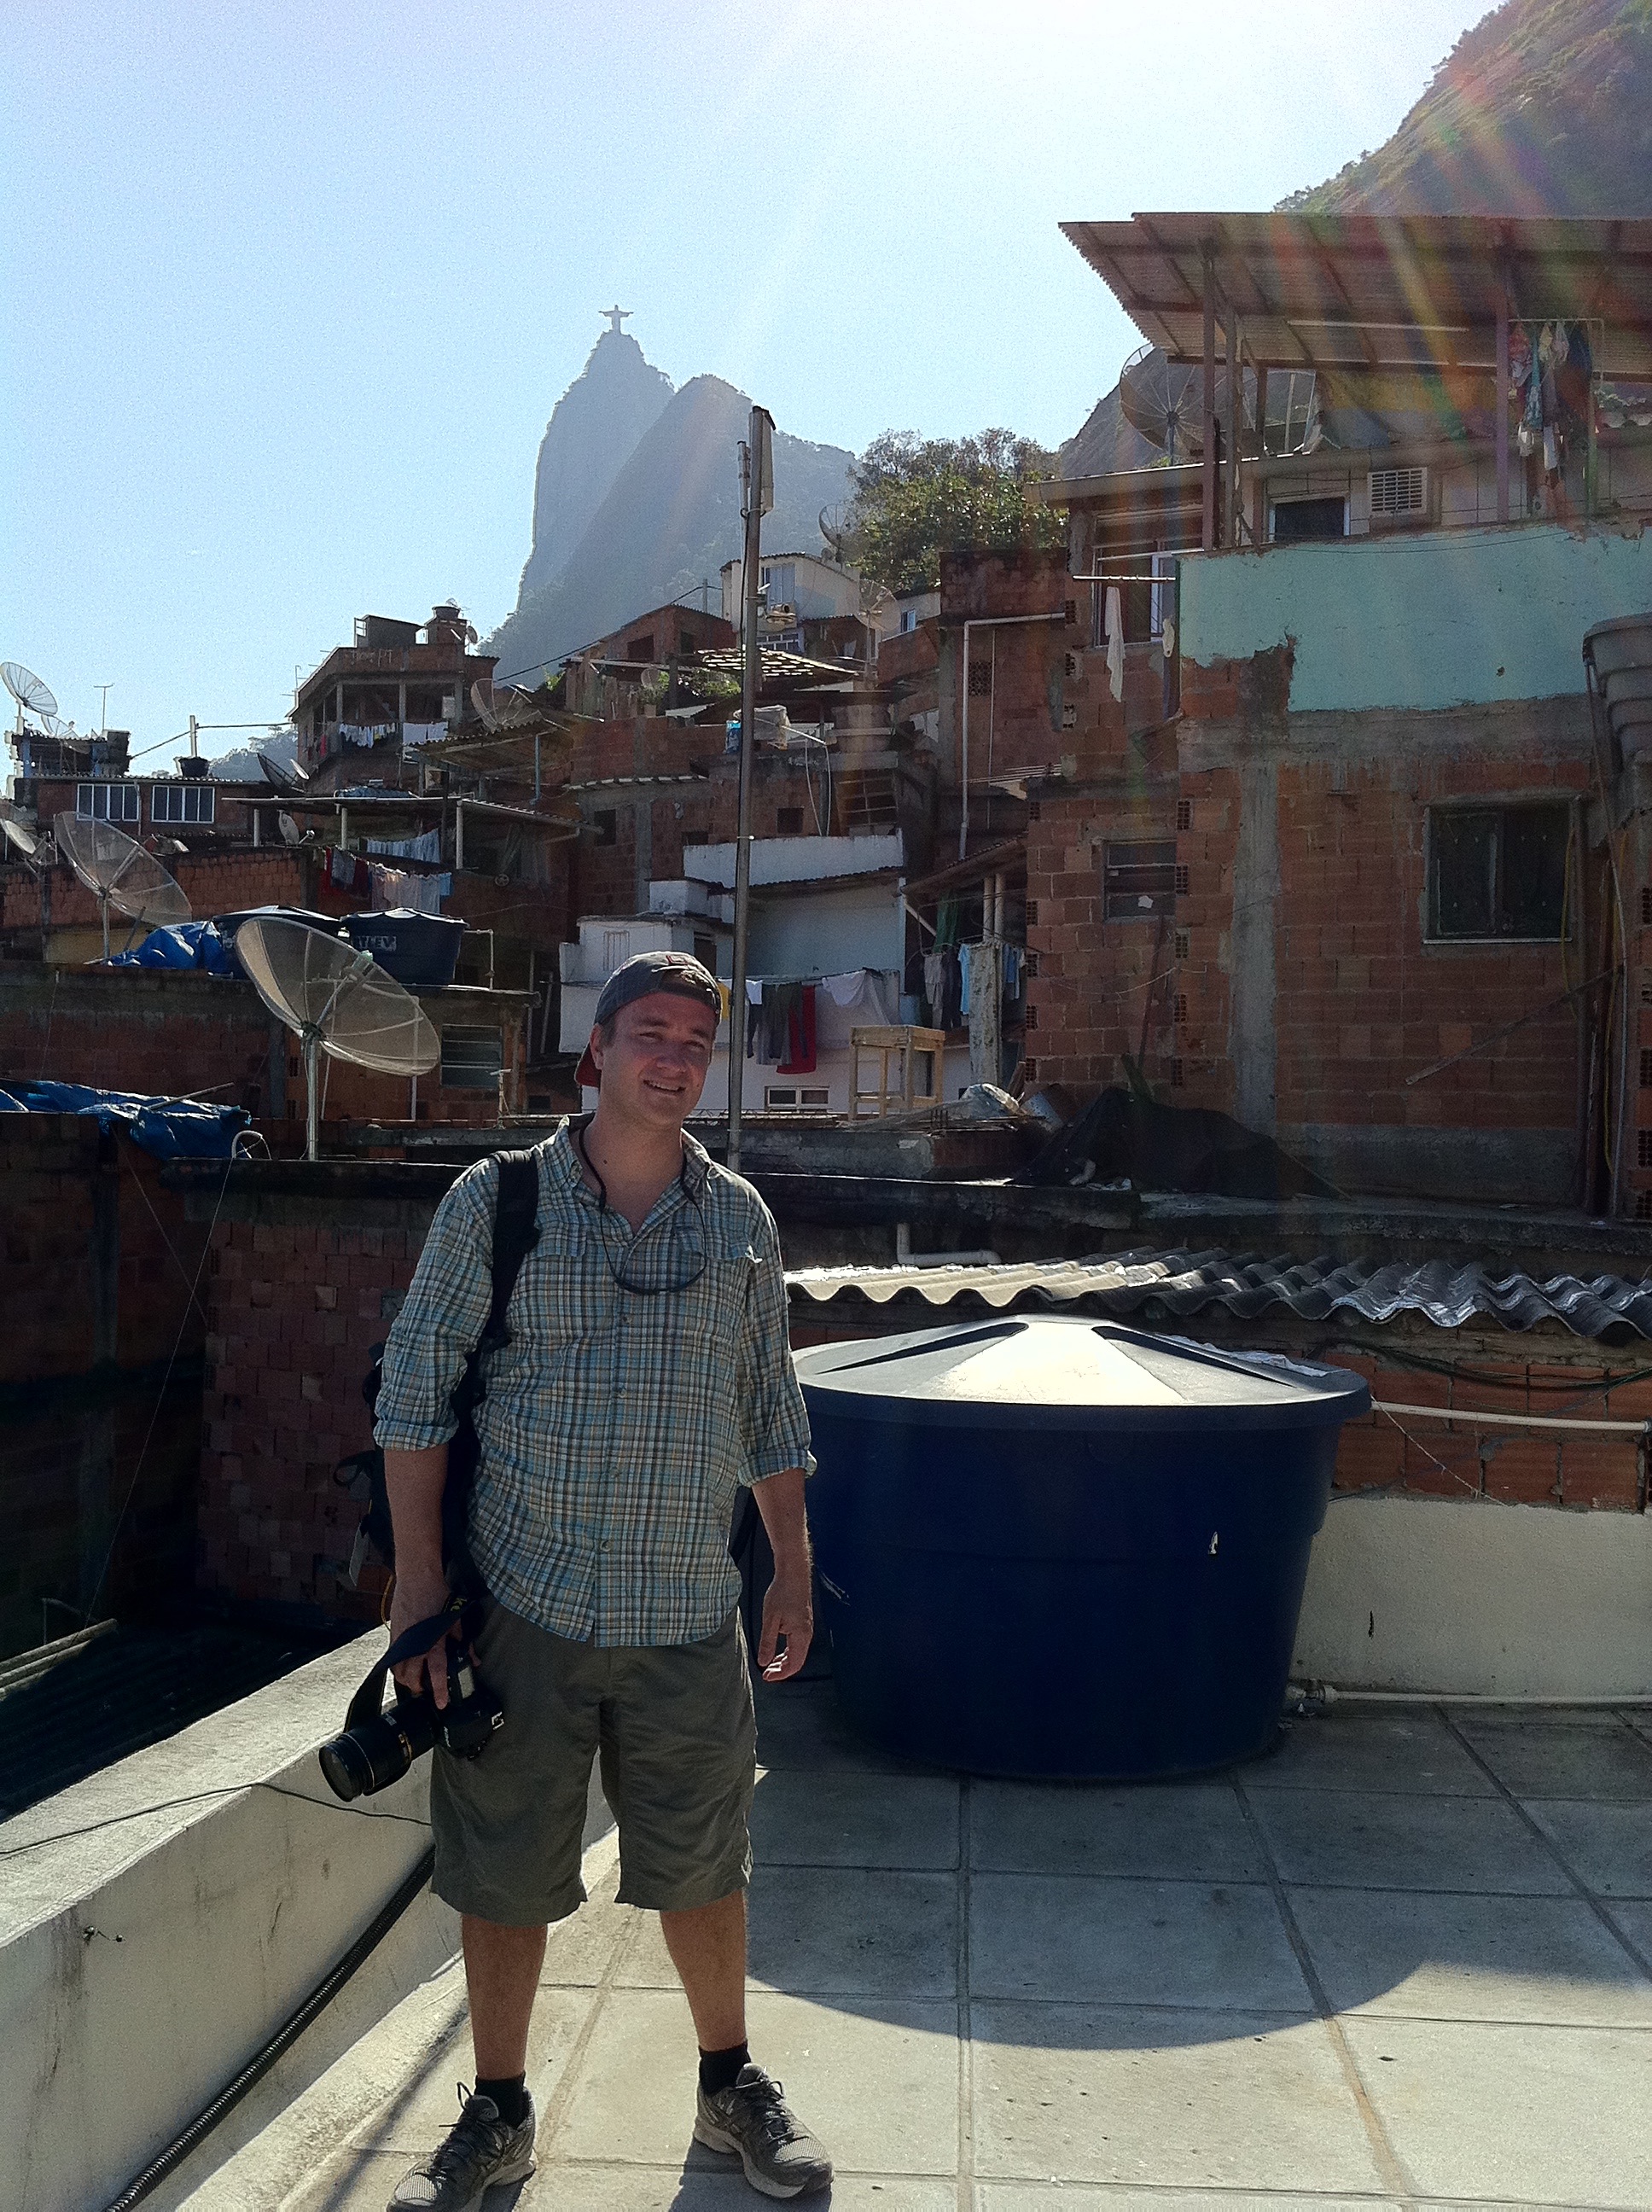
(1065, 1548)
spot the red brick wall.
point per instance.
(1096, 987)
(223, 885)
(1360, 1000)
(151, 1030)
(296, 1303)
(96, 1262)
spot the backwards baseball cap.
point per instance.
(677, 974)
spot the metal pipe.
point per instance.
(760, 429)
(1207, 412)
(1500, 412)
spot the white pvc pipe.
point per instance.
(1472, 1417)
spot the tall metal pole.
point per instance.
(756, 465)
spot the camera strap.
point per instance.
(412, 1643)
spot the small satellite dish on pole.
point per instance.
(339, 1001)
(32, 696)
(1165, 401)
(28, 843)
(119, 873)
(284, 775)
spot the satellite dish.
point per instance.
(481, 698)
(25, 840)
(119, 873)
(1165, 401)
(285, 775)
(32, 696)
(339, 1001)
(55, 727)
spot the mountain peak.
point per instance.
(594, 428)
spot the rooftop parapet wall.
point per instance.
(1468, 618)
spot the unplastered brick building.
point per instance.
(1371, 883)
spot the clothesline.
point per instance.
(386, 888)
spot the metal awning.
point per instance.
(1323, 291)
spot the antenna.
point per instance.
(32, 696)
(119, 873)
(340, 1001)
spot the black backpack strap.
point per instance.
(516, 1232)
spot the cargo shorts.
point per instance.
(675, 1730)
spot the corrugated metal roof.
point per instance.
(1247, 1285)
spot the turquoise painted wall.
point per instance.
(1448, 618)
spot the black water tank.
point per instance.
(1063, 1547)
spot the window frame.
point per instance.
(1563, 805)
(85, 811)
(1163, 901)
(194, 789)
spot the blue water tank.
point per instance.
(1065, 1548)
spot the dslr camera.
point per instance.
(380, 1744)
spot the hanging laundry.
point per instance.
(946, 924)
(965, 964)
(348, 871)
(935, 986)
(769, 1024)
(1574, 377)
(1012, 960)
(800, 1050)
(426, 846)
(1114, 627)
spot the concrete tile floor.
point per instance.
(1405, 1961)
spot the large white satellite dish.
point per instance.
(32, 696)
(119, 873)
(339, 1001)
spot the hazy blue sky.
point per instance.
(289, 290)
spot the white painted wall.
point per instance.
(1478, 1599)
(146, 1955)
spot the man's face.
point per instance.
(655, 1069)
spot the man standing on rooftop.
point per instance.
(647, 1376)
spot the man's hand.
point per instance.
(418, 1594)
(788, 1615)
(789, 1603)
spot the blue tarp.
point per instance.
(170, 1128)
(186, 945)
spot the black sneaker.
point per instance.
(753, 2121)
(479, 2151)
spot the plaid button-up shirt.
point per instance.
(616, 1428)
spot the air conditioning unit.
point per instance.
(1400, 496)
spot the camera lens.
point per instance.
(368, 1758)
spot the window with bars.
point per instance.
(1139, 881)
(1497, 872)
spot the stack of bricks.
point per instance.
(299, 1296)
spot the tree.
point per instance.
(913, 499)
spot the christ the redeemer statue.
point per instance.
(616, 316)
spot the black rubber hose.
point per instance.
(282, 2041)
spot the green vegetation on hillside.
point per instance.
(1543, 108)
(913, 499)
